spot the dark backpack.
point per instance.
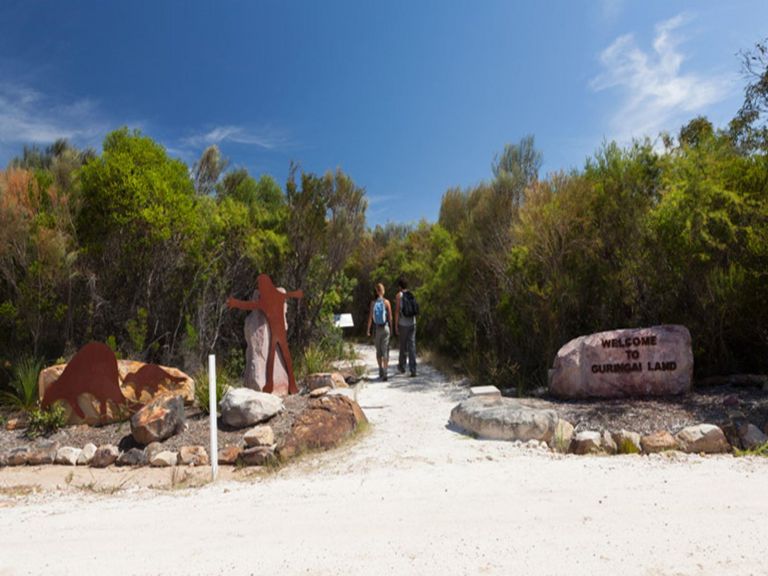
(408, 305)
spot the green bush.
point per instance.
(24, 384)
(45, 421)
(202, 388)
(627, 447)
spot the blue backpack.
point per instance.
(379, 312)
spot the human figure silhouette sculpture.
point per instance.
(272, 303)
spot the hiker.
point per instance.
(380, 315)
(406, 310)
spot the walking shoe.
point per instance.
(413, 374)
(385, 377)
(401, 370)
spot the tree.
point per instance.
(749, 127)
(208, 169)
(141, 232)
(326, 220)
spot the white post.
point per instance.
(212, 406)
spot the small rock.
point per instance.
(67, 455)
(133, 457)
(258, 456)
(229, 455)
(262, 435)
(627, 442)
(18, 456)
(43, 453)
(16, 423)
(608, 444)
(105, 455)
(158, 420)
(658, 442)
(193, 456)
(586, 442)
(706, 438)
(563, 436)
(164, 459)
(3, 459)
(152, 449)
(325, 380)
(751, 436)
(317, 392)
(243, 407)
(86, 455)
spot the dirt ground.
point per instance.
(711, 405)
(196, 431)
(410, 496)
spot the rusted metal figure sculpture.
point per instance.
(92, 370)
(272, 303)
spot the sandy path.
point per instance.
(412, 497)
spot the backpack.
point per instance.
(408, 305)
(379, 312)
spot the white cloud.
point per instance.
(29, 117)
(655, 93)
(266, 139)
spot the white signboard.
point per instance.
(343, 321)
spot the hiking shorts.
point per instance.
(381, 340)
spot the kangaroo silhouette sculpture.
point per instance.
(92, 370)
(271, 303)
(95, 371)
(149, 378)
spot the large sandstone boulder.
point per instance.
(158, 420)
(139, 383)
(505, 419)
(257, 340)
(654, 361)
(243, 407)
(142, 382)
(325, 423)
(706, 438)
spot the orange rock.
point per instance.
(324, 424)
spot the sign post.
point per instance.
(212, 407)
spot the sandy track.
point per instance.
(411, 497)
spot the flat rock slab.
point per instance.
(487, 391)
(655, 361)
(505, 419)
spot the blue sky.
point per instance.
(409, 98)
